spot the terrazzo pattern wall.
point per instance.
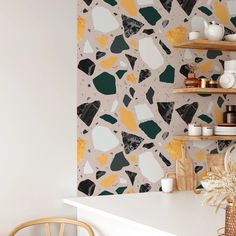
(127, 69)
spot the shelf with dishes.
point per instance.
(204, 138)
(204, 44)
(204, 90)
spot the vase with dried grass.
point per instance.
(223, 193)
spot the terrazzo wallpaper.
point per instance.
(127, 69)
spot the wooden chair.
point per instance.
(47, 221)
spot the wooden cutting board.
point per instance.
(184, 172)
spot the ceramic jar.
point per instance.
(191, 81)
(194, 129)
(230, 115)
(214, 32)
(207, 131)
(212, 84)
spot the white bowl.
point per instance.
(231, 37)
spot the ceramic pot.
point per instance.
(191, 81)
(214, 32)
(230, 115)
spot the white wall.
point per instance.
(37, 109)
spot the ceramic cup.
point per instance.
(207, 131)
(193, 35)
(167, 185)
(194, 129)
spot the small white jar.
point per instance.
(167, 185)
(194, 129)
(207, 131)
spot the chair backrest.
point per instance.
(47, 221)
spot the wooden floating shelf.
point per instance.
(204, 138)
(208, 45)
(204, 91)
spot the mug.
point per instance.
(167, 185)
(194, 130)
(193, 35)
(207, 131)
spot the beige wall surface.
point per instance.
(37, 109)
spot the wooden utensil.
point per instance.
(184, 172)
(215, 162)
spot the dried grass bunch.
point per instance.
(222, 190)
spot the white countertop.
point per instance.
(180, 213)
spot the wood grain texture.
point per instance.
(204, 91)
(215, 162)
(47, 221)
(184, 172)
(208, 45)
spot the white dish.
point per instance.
(231, 37)
(225, 133)
(219, 128)
(230, 159)
(227, 80)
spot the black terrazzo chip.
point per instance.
(131, 142)
(126, 100)
(99, 174)
(87, 111)
(167, 4)
(166, 109)
(198, 59)
(165, 48)
(165, 23)
(228, 31)
(87, 187)
(131, 175)
(87, 66)
(148, 31)
(145, 188)
(144, 74)
(88, 2)
(187, 5)
(100, 55)
(131, 26)
(132, 92)
(149, 95)
(165, 160)
(184, 70)
(165, 135)
(148, 145)
(187, 112)
(131, 60)
(198, 168)
(222, 144)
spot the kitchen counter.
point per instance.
(153, 214)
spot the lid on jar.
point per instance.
(213, 81)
